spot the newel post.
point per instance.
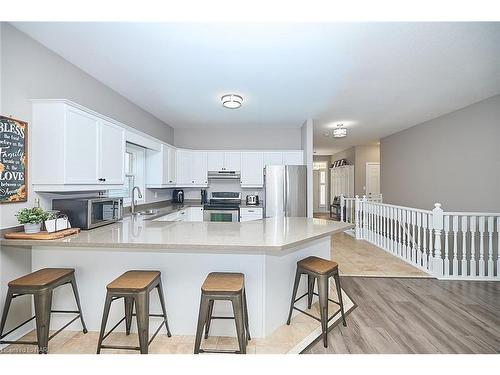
(364, 233)
(357, 217)
(437, 225)
(342, 205)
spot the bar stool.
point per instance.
(321, 270)
(134, 287)
(228, 287)
(41, 284)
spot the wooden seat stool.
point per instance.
(321, 270)
(229, 287)
(41, 284)
(134, 287)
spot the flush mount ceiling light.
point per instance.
(231, 101)
(339, 132)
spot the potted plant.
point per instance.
(32, 218)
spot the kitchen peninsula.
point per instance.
(266, 251)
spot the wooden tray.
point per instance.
(41, 235)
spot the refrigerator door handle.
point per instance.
(286, 192)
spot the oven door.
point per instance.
(221, 215)
(104, 211)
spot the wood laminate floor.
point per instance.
(418, 316)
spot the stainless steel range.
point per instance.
(223, 206)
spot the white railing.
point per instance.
(347, 211)
(457, 245)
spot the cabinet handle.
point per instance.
(102, 179)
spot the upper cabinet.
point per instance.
(252, 169)
(224, 160)
(191, 168)
(161, 167)
(293, 157)
(75, 150)
(273, 158)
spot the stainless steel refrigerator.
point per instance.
(285, 190)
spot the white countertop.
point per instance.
(270, 235)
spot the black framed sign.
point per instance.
(13, 160)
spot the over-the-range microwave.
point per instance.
(89, 213)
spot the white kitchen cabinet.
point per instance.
(112, 151)
(293, 157)
(191, 168)
(161, 167)
(224, 160)
(75, 150)
(251, 213)
(273, 158)
(199, 168)
(252, 174)
(195, 213)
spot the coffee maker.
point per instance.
(204, 196)
(178, 196)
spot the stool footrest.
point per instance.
(316, 294)
(314, 317)
(219, 351)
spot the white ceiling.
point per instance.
(376, 78)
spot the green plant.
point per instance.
(33, 215)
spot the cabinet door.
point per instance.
(199, 168)
(112, 154)
(81, 163)
(170, 165)
(183, 167)
(293, 157)
(273, 158)
(196, 213)
(232, 161)
(252, 169)
(215, 160)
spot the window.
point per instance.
(317, 165)
(135, 174)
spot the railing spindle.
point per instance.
(424, 241)
(473, 263)
(455, 246)
(481, 245)
(490, 271)
(464, 246)
(446, 245)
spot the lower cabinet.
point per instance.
(249, 214)
(187, 214)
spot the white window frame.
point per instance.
(137, 172)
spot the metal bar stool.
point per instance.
(228, 287)
(134, 287)
(321, 270)
(40, 284)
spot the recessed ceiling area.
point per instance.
(375, 78)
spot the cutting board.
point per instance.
(41, 235)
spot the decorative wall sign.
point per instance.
(13, 160)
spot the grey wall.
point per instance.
(453, 159)
(348, 154)
(29, 71)
(236, 139)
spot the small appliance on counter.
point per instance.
(252, 200)
(178, 196)
(204, 196)
(89, 213)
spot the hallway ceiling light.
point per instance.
(339, 132)
(231, 101)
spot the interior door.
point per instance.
(372, 179)
(316, 190)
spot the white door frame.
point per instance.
(366, 175)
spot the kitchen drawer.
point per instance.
(251, 211)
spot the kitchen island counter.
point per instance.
(271, 235)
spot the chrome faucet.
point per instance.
(133, 203)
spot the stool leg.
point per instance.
(142, 314)
(163, 308)
(129, 310)
(77, 299)
(43, 303)
(310, 289)
(238, 318)
(339, 294)
(105, 314)
(202, 316)
(6, 307)
(323, 305)
(245, 306)
(294, 294)
(209, 317)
